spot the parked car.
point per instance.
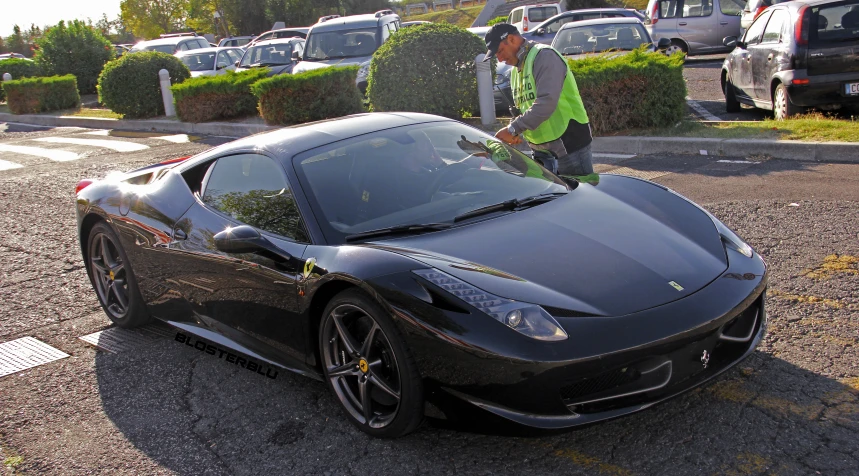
(694, 27)
(210, 61)
(413, 23)
(294, 32)
(172, 43)
(392, 257)
(751, 11)
(120, 50)
(545, 32)
(13, 56)
(349, 40)
(235, 41)
(527, 17)
(796, 55)
(280, 56)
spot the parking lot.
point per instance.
(158, 406)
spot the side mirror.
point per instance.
(731, 41)
(540, 31)
(295, 56)
(237, 63)
(663, 43)
(246, 239)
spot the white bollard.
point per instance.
(166, 94)
(7, 77)
(484, 90)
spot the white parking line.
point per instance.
(55, 155)
(6, 165)
(118, 146)
(701, 110)
(176, 139)
(737, 162)
(614, 156)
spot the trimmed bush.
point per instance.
(309, 96)
(496, 20)
(216, 97)
(18, 68)
(32, 95)
(636, 90)
(426, 68)
(74, 48)
(130, 86)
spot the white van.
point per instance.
(527, 17)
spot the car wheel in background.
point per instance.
(782, 107)
(113, 279)
(676, 46)
(368, 367)
(731, 103)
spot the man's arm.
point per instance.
(549, 74)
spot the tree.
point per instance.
(77, 49)
(2, 45)
(16, 42)
(150, 18)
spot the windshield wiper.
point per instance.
(400, 229)
(509, 205)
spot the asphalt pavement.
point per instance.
(165, 408)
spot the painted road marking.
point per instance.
(52, 154)
(701, 110)
(116, 339)
(614, 156)
(25, 353)
(6, 165)
(176, 139)
(737, 162)
(118, 146)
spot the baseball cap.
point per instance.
(495, 36)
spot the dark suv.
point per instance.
(798, 54)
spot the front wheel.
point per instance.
(731, 103)
(368, 367)
(782, 107)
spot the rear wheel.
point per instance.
(782, 107)
(676, 46)
(113, 279)
(731, 103)
(368, 367)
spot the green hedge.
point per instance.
(208, 98)
(426, 68)
(32, 95)
(309, 96)
(18, 68)
(496, 20)
(636, 90)
(130, 86)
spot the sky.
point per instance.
(50, 12)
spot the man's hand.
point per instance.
(504, 135)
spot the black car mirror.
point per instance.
(237, 63)
(246, 239)
(663, 43)
(540, 31)
(731, 41)
(295, 55)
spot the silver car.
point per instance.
(695, 27)
(210, 61)
(545, 32)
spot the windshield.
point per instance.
(169, 49)
(340, 44)
(602, 37)
(200, 61)
(264, 55)
(427, 173)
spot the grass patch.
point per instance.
(636, 4)
(89, 112)
(13, 462)
(461, 17)
(814, 127)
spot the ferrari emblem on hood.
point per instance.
(675, 285)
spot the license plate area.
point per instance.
(851, 89)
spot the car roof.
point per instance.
(601, 21)
(174, 40)
(277, 41)
(302, 29)
(289, 141)
(353, 21)
(206, 50)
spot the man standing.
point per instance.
(553, 117)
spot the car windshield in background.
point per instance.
(428, 173)
(267, 55)
(340, 44)
(837, 23)
(200, 61)
(538, 14)
(169, 49)
(598, 38)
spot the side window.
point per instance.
(224, 60)
(386, 33)
(517, 16)
(732, 7)
(772, 33)
(590, 16)
(203, 43)
(697, 8)
(183, 47)
(668, 8)
(756, 31)
(252, 189)
(234, 55)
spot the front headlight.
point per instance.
(525, 318)
(364, 71)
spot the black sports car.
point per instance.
(417, 265)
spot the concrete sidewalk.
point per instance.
(778, 149)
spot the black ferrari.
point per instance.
(420, 267)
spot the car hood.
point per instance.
(607, 250)
(309, 65)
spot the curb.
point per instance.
(777, 149)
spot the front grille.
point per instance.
(561, 312)
(601, 383)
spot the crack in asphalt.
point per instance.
(186, 400)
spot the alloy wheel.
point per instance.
(780, 109)
(109, 275)
(674, 48)
(361, 366)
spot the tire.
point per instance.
(731, 103)
(113, 279)
(676, 46)
(782, 107)
(368, 367)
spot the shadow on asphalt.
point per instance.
(710, 165)
(193, 413)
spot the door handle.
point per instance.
(723, 23)
(682, 23)
(178, 234)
